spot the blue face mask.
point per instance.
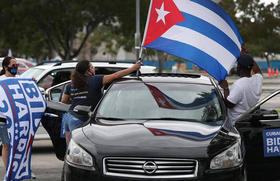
(13, 70)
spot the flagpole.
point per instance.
(142, 44)
(139, 59)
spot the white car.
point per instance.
(50, 74)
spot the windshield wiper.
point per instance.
(166, 118)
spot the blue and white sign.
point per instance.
(271, 142)
(23, 105)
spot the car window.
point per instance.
(161, 100)
(55, 77)
(32, 72)
(21, 65)
(56, 93)
(272, 104)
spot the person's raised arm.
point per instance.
(119, 74)
(256, 69)
(224, 85)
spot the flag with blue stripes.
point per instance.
(23, 105)
(164, 101)
(199, 31)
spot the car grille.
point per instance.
(150, 167)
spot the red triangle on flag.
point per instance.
(162, 16)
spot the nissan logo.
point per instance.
(150, 167)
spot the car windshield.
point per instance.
(169, 101)
(32, 72)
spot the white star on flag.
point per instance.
(161, 13)
(162, 102)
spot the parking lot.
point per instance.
(44, 164)
(47, 167)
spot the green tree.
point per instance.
(259, 25)
(54, 25)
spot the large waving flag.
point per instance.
(23, 105)
(196, 30)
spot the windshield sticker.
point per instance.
(271, 142)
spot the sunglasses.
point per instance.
(14, 65)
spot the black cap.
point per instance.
(246, 61)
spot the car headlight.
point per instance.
(76, 155)
(229, 158)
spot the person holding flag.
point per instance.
(10, 66)
(246, 91)
(21, 108)
(203, 33)
(86, 89)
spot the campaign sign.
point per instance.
(23, 105)
(271, 142)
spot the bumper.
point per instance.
(72, 173)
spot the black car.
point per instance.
(260, 130)
(156, 127)
(258, 127)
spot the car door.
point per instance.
(52, 120)
(260, 130)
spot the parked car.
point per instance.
(155, 127)
(260, 130)
(51, 74)
(23, 64)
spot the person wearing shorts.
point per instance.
(85, 89)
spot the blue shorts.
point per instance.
(71, 122)
(4, 134)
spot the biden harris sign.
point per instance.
(23, 105)
(271, 142)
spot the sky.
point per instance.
(268, 1)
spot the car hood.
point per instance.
(150, 137)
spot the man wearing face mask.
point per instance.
(85, 89)
(9, 70)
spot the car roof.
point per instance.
(170, 78)
(71, 64)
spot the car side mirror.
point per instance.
(265, 115)
(82, 110)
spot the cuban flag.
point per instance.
(23, 105)
(189, 135)
(166, 102)
(196, 30)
